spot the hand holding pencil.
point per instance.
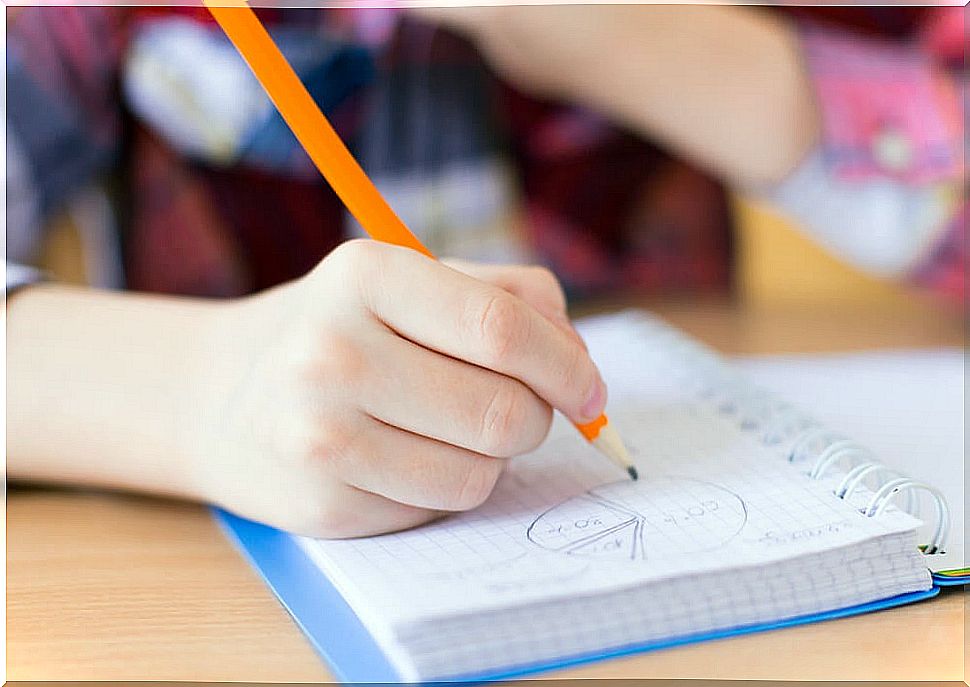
(384, 388)
(372, 394)
(515, 340)
(341, 170)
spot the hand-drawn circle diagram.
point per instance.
(636, 520)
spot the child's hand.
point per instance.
(384, 388)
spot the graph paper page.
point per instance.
(563, 522)
(906, 406)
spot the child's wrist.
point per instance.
(230, 335)
(207, 396)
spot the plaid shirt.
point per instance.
(216, 197)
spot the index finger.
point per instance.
(450, 312)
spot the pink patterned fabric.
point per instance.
(869, 90)
(898, 110)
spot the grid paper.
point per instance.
(564, 527)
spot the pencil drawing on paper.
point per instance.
(636, 520)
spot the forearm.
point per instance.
(107, 389)
(721, 85)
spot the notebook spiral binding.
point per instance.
(823, 454)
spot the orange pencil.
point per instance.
(339, 167)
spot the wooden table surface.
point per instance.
(117, 587)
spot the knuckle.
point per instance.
(334, 443)
(476, 484)
(353, 253)
(542, 429)
(500, 422)
(549, 280)
(341, 361)
(550, 290)
(502, 327)
(355, 262)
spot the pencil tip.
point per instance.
(610, 444)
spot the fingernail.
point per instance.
(596, 401)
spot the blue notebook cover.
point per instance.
(352, 655)
(950, 581)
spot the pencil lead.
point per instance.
(634, 475)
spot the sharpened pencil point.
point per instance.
(609, 444)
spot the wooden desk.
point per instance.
(115, 587)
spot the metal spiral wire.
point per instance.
(776, 423)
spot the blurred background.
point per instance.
(770, 157)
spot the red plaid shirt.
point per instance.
(604, 208)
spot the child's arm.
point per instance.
(106, 388)
(818, 121)
(369, 395)
(723, 85)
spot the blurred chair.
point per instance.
(779, 266)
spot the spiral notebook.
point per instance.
(749, 515)
(905, 405)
